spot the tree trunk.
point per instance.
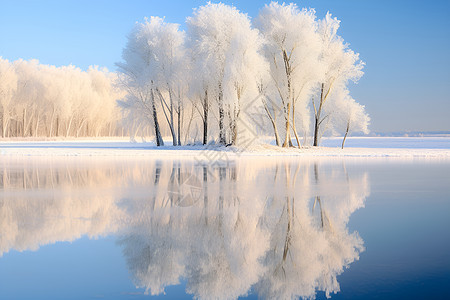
(205, 118)
(288, 70)
(273, 121)
(79, 128)
(222, 138)
(57, 126)
(4, 124)
(317, 117)
(234, 133)
(316, 133)
(277, 137)
(293, 125)
(346, 132)
(37, 126)
(110, 130)
(179, 127)
(231, 126)
(171, 125)
(159, 140)
(234, 129)
(51, 123)
(68, 126)
(24, 119)
(174, 135)
(287, 139)
(29, 123)
(169, 118)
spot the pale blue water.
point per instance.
(85, 228)
(426, 142)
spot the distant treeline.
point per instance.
(39, 100)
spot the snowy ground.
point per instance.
(407, 147)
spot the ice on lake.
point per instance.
(272, 228)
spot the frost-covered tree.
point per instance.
(8, 86)
(138, 75)
(226, 51)
(154, 69)
(357, 119)
(349, 116)
(292, 48)
(30, 98)
(208, 29)
(103, 114)
(243, 73)
(198, 89)
(340, 65)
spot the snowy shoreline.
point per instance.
(357, 147)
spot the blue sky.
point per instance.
(405, 44)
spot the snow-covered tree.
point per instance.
(30, 97)
(103, 113)
(154, 69)
(340, 65)
(226, 51)
(292, 48)
(349, 116)
(138, 75)
(208, 31)
(8, 86)
(198, 90)
(243, 73)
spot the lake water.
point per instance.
(274, 228)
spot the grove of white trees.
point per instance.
(284, 74)
(38, 100)
(227, 79)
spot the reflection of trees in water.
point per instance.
(35, 174)
(279, 227)
(307, 251)
(42, 202)
(199, 242)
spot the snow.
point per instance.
(406, 147)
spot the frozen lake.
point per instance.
(257, 227)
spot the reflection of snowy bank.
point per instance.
(277, 226)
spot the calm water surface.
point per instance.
(87, 228)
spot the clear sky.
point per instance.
(405, 44)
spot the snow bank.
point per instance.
(358, 147)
